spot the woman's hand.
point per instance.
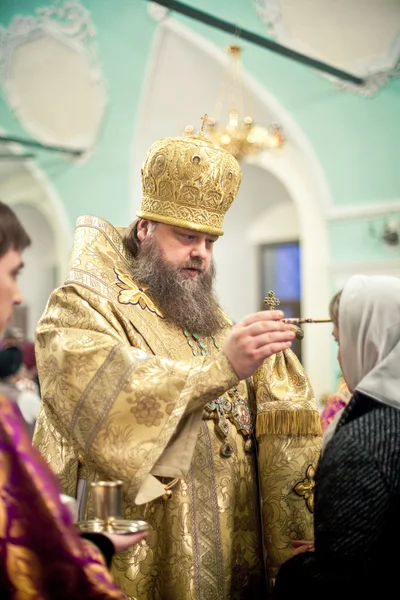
(125, 541)
(301, 546)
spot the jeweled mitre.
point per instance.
(189, 182)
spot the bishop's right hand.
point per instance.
(256, 338)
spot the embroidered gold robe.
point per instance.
(124, 397)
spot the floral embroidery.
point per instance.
(146, 411)
(132, 294)
(305, 488)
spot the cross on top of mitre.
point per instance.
(201, 134)
(204, 122)
(271, 300)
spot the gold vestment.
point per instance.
(124, 398)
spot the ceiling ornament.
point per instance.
(301, 27)
(51, 76)
(240, 135)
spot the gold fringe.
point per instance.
(296, 422)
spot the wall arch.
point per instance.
(35, 202)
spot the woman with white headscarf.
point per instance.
(357, 483)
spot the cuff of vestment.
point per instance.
(103, 543)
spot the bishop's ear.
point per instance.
(142, 229)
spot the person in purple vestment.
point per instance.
(335, 403)
(42, 557)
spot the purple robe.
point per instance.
(42, 556)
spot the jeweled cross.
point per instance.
(271, 300)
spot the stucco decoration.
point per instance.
(362, 38)
(51, 75)
(156, 11)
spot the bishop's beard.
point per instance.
(188, 302)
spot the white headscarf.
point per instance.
(369, 334)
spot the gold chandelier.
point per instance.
(240, 135)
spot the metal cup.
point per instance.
(106, 499)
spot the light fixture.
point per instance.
(389, 234)
(240, 135)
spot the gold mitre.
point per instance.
(190, 182)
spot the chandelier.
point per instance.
(240, 135)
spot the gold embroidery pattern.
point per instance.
(289, 440)
(132, 294)
(285, 459)
(206, 532)
(230, 407)
(189, 182)
(82, 326)
(305, 488)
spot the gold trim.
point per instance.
(143, 214)
(294, 422)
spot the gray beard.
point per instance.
(188, 302)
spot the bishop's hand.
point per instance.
(256, 338)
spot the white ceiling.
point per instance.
(361, 35)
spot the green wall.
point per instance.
(358, 240)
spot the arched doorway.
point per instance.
(26, 190)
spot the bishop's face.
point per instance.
(189, 251)
(176, 268)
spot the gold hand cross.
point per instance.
(271, 300)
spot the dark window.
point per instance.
(280, 272)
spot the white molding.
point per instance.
(69, 24)
(376, 71)
(366, 210)
(49, 204)
(368, 266)
(156, 11)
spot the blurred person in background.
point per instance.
(15, 385)
(334, 403)
(13, 336)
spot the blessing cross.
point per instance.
(271, 300)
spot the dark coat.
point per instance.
(357, 511)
